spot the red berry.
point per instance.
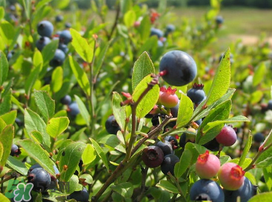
(207, 165)
(168, 98)
(231, 176)
(227, 136)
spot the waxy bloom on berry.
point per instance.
(168, 98)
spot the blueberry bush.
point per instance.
(125, 105)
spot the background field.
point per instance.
(247, 24)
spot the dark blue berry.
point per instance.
(258, 137)
(156, 32)
(165, 146)
(212, 145)
(66, 100)
(58, 58)
(59, 18)
(196, 93)
(170, 28)
(178, 68)
(152, 156)
(67, 25)
(169, 163)
(63, 47)
(269, 105)
(40, 178)
(111, 125)
(45, 28)
(15, 150)
(82, 196)
(219, 20)
(245, 192)
(73, 109)
(19, 122)
(206, 190)
(42, 42)
(65, 37)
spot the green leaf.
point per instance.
(1, 150)
(41, 4)
(119, 111)
(57, 79)
(83, 110)
(164, 184)
(36, 152)
(70, 157)
(195, 150)
(33, 122)
(57, 126)
(37, 58)
(5, 105)
(7, 32)
(185, 111)
(245, 150)
(256, 96)
(17, 165)
(125, 189)
(2, 124)
(268, 140)
(129, 18)
(48, 52)
(31, 79)
(259, 74)
(144, 28)
(142, 67)
(265, 159)
(183, 164)
(149, 44)
(220, 112)
(6, 138)
(9, 117)
(80, 75)
(221, 81)
(235, 119)
(263, 197)
(3, 198)
(4, 68)
(149, 100)
(81, 46)
(45, 103)
(88, 155)
(2, 13)
(100, 153)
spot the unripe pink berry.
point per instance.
(231, 176)
(227, 136)
(167, 97)
(207, 165)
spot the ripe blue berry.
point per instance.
(156, 32)
(152, 156)
(65, 37)
(169, 163)
(45, 28)
(196, 93)
(258, 137)
(66, 100)
(15, 150)
(42, 42)
(63, 47)
(204, 189)
(40, 178)
(59, 18)
(219, 20)
(82, 196)
(73, 109)
(111, 125)
(58, 58)
(245, 192)
(177, 68)
(170, 28)
(165, 146)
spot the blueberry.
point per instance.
(63, 47)
(171, 139)
(204, 189)
(67, 25)
(45, 28)
(82, 196)
(15, 150)
(170, 28)
(196, 93)
(58, 58)
(169, 163)
(73, 109)
(258, 137)
(152, 156)
(19, 122)
(178, 68)
(219, 20)
(40, 178)
(156, 32)
(10, 54)
(111, 125)
(65, 37)
(165, 146)
(42, 42)
(59, 18)
(184, 138)
(245, 192)
(66, 100)
(212, 145)
(269, 105)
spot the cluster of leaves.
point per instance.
(104, 60)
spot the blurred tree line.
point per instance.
(184, 3)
